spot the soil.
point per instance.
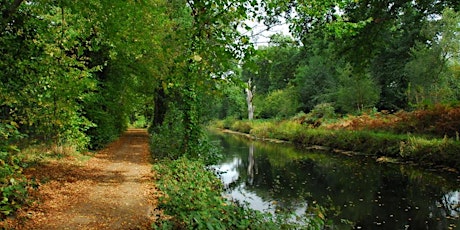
(113, 190)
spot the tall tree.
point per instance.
(208, 45)
(430, 69)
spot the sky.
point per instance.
(260, 35)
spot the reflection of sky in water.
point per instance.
(366, 193)
(241, 195)
(453, 201)
(228, 173)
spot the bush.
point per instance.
(167, 140)
(284, 130)
(242, 126)
(263, 129)
(191, 198)
(228, 122)
(436, 151)
(139, 122)
(12, 183)
(439, 120)
(279, 103)
(323, 110)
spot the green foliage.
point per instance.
(12, 183)
(279, 103)
(43, 83)
(71, 75)
(272, 66)
(167, 140)
(192, 198)
(316, 78)
(435, 151)
(243, 126)
(139, 121)
(420, 149)
(356, 92)
(263, 129)
(377, 38)
(232, 103)
(324, 111)
(431, 78)
(228, 122)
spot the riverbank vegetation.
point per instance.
(427, 137)
(183, 179)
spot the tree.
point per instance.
(206, 45)
(250, 90)
(429, 71)
(356, 92)
(69, 73)
(375, 37)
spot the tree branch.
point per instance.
(12, 9)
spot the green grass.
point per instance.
(420, 149)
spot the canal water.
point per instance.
(354, 192)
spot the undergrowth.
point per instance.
(192, 199)
(12, 182)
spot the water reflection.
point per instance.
(371, 195)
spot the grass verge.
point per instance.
(408, 147)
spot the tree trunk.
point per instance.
(249, 97)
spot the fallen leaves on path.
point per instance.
(112, 190)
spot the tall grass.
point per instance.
(421, 149)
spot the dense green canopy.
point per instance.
(77, 72)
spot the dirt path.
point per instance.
(112, 190)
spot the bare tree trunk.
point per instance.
(251, 164)
(249, 96)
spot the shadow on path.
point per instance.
(112, 190)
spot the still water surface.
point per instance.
(270, 177)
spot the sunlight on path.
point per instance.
(113, 190)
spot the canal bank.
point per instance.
(353, 191)
(431, 152)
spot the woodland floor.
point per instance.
(112, 190)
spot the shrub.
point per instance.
(323, 110)
(228, 122)
(166, 139)
(139, 121)
(263, 129)
(286, 130)
(12, 183)
(191, 198)
(439, 120)
(279, 103)
(242, 126)
(437, 151)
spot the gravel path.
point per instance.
(112, 190)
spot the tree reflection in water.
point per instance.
(252, 168)
(371, 195)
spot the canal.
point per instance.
(353, 192)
